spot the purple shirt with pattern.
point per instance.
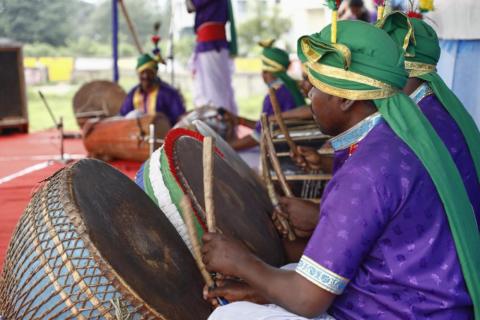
(383, 242)
(448, 130)
(169, 102)
(285, 99)
(210, 11)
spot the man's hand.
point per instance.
(307, 158)
(301, 214)
(232, 290)
(224, 255)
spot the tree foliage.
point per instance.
(265, 23)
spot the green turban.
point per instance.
(148, 61)
(276, 61)
(422, 52)
(366, 64)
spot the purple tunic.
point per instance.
(286, 101)
(210, 11)
(169, 102)
(383, 243)
(448, 130)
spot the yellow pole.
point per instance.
(334, 26)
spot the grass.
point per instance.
(60, 97)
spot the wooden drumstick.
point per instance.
(192, 233)
(271, 190)
(208, 182)
(197, 253)
(273, 157)
(278, 116)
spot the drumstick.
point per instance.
(278, 116)
(208, 182)
(273, 157)
(271, 190)
(197, 254)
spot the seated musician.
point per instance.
(152, 95)
(396, 237)
(275, 63)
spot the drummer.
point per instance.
(152, 95)
(275, 63)
(383, 246)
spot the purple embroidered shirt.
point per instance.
(383, 243)
(210, 11)
(448, 130)
(169, 102)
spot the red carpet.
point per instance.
(25, 161)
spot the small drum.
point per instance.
(92, 245)
(97, 99)
(215, 118)
(123, 139)
(240, 210)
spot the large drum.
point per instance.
(92, 245)
(241, 211)
(215, 118)
(122, 138)
(97, 99)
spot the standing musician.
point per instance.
(275, 63)
(212, 64)
(396, 237)
(152, 94)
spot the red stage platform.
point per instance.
(25, 161)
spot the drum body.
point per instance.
(218, 121)
(92, 245)
(99, 98)
(123, 139)
(241, 210)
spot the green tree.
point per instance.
(264, 24)
(44, 21)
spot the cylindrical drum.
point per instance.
(124, 139)
(92, 245)
(241, 211)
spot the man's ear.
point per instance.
(346, 104)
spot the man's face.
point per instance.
(327, 112)
(305, 85)
(268, 77)
(147, 78)
(356, 11)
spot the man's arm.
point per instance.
(246, 142)
(127, 104)
(285, 288)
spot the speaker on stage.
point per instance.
(13, 99)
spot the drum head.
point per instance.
(134, 237)
(97, 98)
(239, 210)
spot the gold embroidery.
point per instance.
(416, 69)
(271, 65)
(348, 75)
(352, 94)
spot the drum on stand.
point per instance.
(92, 245)
(215, 118)
(123, 139)
(241, 211)
(97, 99)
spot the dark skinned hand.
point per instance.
(301, 214)
(224, 255)
(307, 158)
(232, 290)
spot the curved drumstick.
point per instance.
(273, 157)
(197, 254)
(278, 116)
(271, 190)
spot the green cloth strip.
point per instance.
(407, 121)
(233, 45)
(458, 112)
